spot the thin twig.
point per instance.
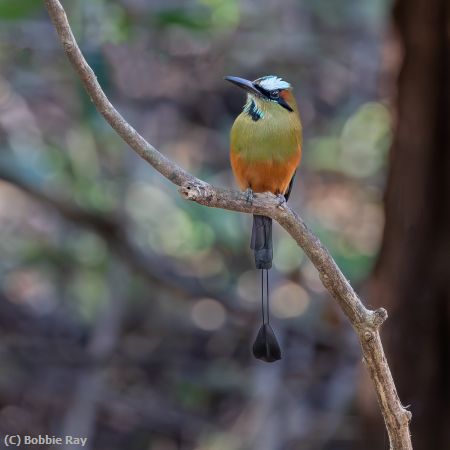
(365, 322)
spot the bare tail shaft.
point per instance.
(261, 243)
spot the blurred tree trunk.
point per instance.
(412, 276)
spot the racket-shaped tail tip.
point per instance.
(266, 346)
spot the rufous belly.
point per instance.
(264, 176)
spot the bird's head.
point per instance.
(265, 93)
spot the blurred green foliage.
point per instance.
(16, 10)
(359, 148)
(206, 15)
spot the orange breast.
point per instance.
(264, 176)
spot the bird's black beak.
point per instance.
(244, 84)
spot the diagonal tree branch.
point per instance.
(365, 322)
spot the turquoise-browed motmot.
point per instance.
(265, 151)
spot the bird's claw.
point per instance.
(249, 196)
(281, 200)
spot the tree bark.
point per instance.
(412, 276)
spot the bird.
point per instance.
(265, 151)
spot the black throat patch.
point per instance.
(253, 111)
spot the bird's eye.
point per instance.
(274, 94)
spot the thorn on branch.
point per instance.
(408, 414)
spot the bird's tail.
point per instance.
(266, 346)
(261, 242)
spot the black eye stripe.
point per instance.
(263, 91)
(267, 93)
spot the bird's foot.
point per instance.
(281, 200)
(249, 196)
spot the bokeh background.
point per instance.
(127, 314)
